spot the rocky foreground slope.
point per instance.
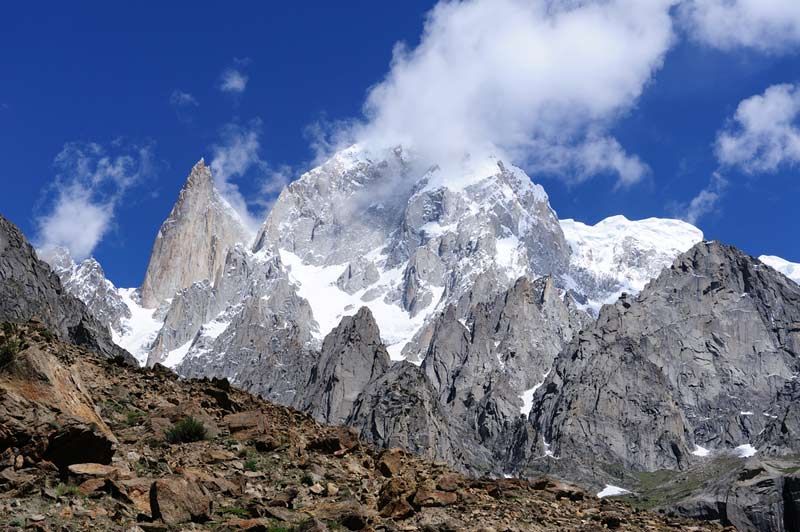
(91, 442)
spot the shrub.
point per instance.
(133, 417)
(251, 464)
(186, 430)
(9, 349)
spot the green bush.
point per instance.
(9, 349)
(186, 430)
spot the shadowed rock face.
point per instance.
(696, 359)
(30, 290)
(193, 241)
(352, 355)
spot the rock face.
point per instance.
(694, 367)
(695, 360)
(352, 356)
(29, 289)
(260, 467)
(87, 282)
(193, 241)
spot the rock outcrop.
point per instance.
(30, 290)
(193, 241)
(352, 356)
(200, 455)
(693, 368)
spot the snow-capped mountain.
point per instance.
(789, 269)
(365, 229)
(618, 255)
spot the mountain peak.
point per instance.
(193, 240)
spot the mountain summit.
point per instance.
(193, 240)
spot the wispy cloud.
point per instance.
(90, 181)
(178, 98)
(234, 79)
(238, 153)
(515, 77)
(705, 202)
(767, 25)
(763, 136)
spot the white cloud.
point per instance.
(90, 180)
(237, 154)
(705, 202)
(178, 98)
(764, 134)
(593, 156)
(765, 25)
(233, 80)
(514, 76)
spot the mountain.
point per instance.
(193, 241)
(692, 370)
(789, 269)
(90, 444)
(618, 255)
(29, 290)
(446, 310)
(87, 282)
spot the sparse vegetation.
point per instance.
(10, 343)
(251, 464)
(134, 417)
(186, 430)
(66, 489)
(234, 510)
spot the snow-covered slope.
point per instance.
(406, 240)
(619, 255)
(789, 269)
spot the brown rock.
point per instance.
(425, 497)
(78, 443)
(398, 508)
(93, 470)
(313, 525)
(92, 485)
(177, 500)
(390, 462)
(449, 482)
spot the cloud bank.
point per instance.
(516, 77)
(90, 181)
(767, 25)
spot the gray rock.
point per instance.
(352, 356)
(29, 289)
(709, 341)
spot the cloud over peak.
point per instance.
(516, 77)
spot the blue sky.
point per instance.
(129, 82)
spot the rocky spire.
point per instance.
(192, 242)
